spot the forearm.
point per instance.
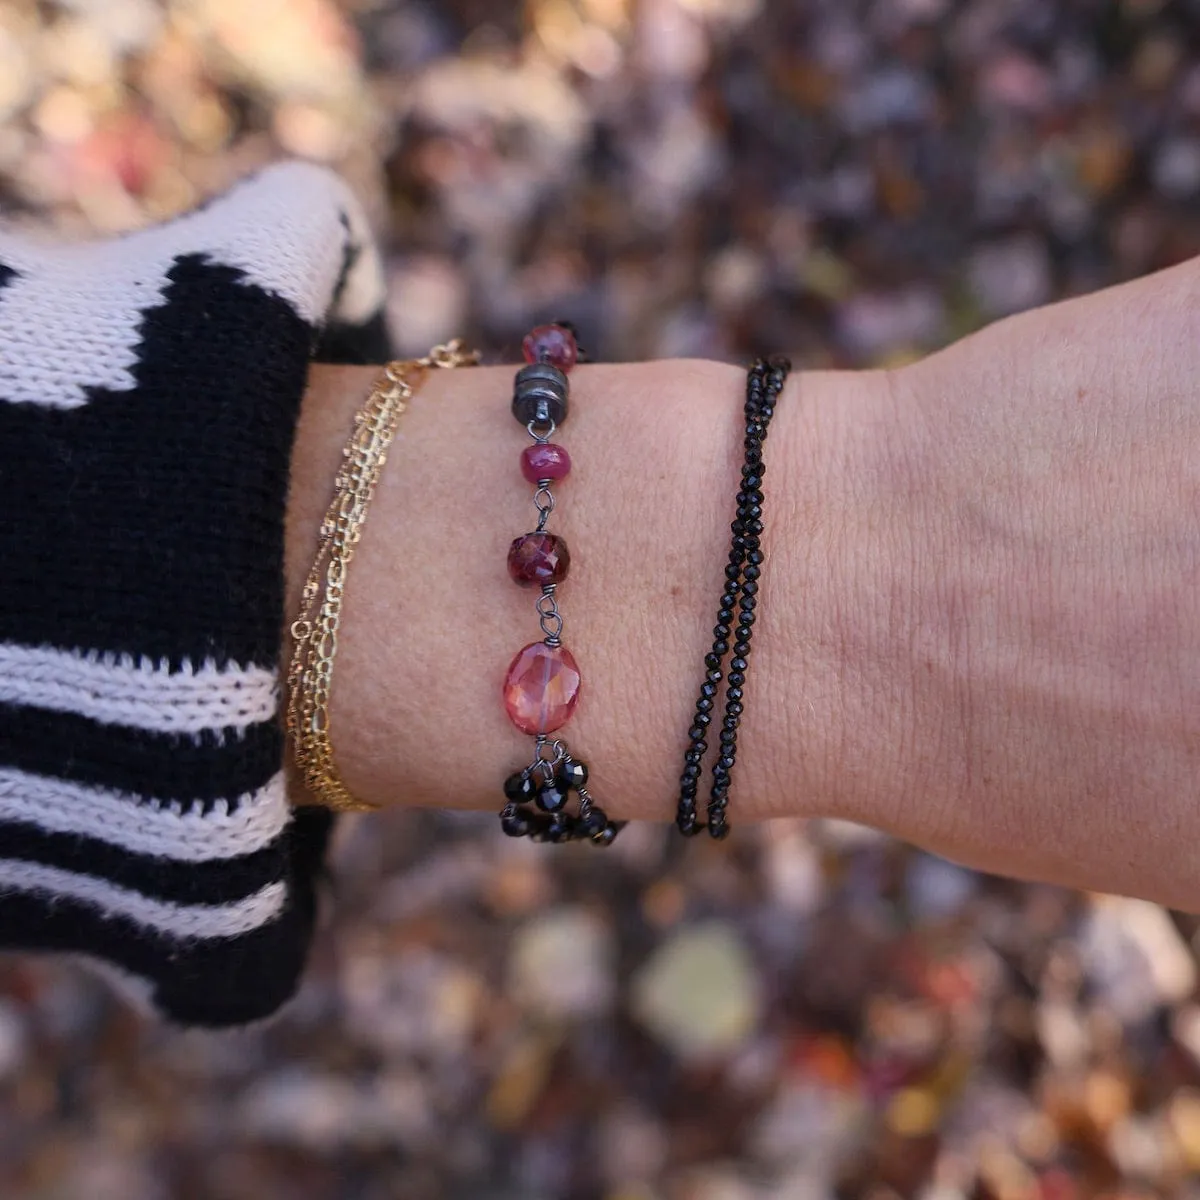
(1052, 501)
(431, 618)
(979, 622)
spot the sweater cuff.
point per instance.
(149, 390)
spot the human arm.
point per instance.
(978, 623)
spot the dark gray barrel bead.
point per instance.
(540, 395)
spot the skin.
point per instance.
(979, 618)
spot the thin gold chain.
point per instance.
(315, 630)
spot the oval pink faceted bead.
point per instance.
(546, 460)
(541, 688)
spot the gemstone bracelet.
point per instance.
(542, 684)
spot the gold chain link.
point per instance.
(315, 629)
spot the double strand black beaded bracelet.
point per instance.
(763, 385)
(541, 686)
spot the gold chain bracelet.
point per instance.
(315, 630)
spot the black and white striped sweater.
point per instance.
(149, 388)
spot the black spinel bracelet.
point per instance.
(763, 385)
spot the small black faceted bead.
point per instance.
(551, 797)
(560, 828)
(540, 830)
(727, 761)
(751, 588)
(718, 829)
(736, 679)
(708, 688)
(728, 736)
(701, 720)
(712, 661)
(734, 693)
(592, 823)
(704, 704)
(696, 733)
(519, 787)
(719, 631)
(734, 708)
(573, 774)
(733, 571)
(720, 648)
(730, 720)
(755, 558)
(737, 664)
(516, 822)
(691, 771)
(751, 573)
(742, 648)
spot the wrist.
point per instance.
(431, 618)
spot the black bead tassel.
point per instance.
(537, 807)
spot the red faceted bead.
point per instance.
(541, 688)
(538, 558)
(545, 460)
(551, 344)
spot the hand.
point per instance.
(979, 623)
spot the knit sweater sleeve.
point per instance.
(149, 390)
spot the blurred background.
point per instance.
(806, 1011)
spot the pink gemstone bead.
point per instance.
(541, 688)
(538, 558)
(545, 461)
(551, 344)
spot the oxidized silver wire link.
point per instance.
(548, 615)
(543, 501)
(543, 764)
(543, 437)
